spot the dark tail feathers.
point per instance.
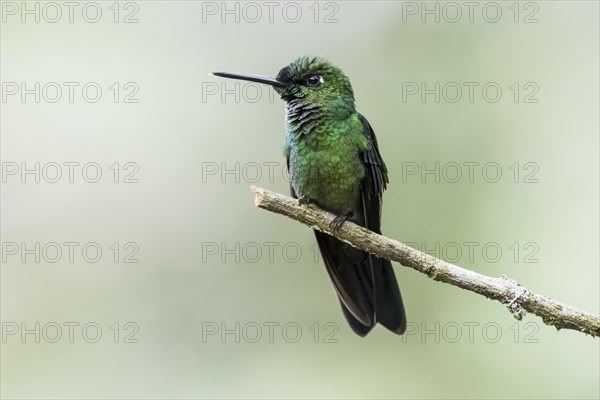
(366, 286)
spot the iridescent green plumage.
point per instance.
(325, 165)
(334, 162)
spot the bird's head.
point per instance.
(308, 80)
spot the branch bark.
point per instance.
(518, 299)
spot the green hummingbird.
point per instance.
(334, 162)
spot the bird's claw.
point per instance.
(338, 221)
(304, 200)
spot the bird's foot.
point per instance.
(338, 221)
(304, 200)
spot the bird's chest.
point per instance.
(328, 170)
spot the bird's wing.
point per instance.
(375, 180)
(389, 309)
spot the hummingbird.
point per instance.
(334, 162)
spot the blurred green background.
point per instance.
(228, 301)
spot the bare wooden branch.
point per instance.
(515, 297)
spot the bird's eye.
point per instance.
(314, 80)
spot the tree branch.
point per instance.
(518, 299)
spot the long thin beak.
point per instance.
(250, 77)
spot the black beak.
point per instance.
(253, 78)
